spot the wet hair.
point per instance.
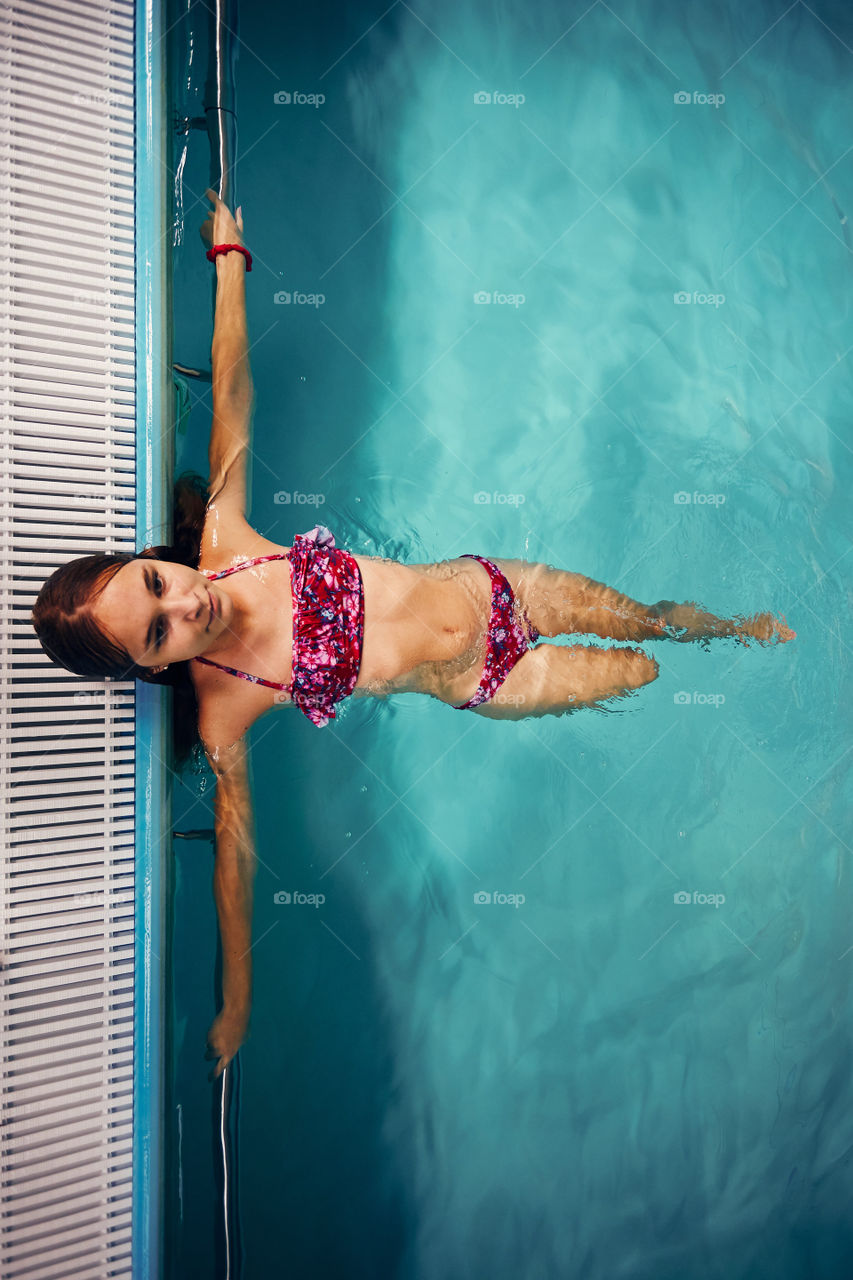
(72, 639)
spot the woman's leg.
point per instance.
(686, 622)
(560, 602)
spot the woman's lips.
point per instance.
(212, 609)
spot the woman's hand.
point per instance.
(227, 1032)
(220, 227)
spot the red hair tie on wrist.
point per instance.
(224, 248)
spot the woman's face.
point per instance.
(161, 612)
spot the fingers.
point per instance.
(212, 195)
(221, 1062)
(212, 218)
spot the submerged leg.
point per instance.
(686, 622)
(561, 602)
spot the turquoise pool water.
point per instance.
(598, 1080)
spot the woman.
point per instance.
(312, 624)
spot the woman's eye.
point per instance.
(161, 630)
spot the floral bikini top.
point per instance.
(328, 623)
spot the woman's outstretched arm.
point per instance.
(233, 877)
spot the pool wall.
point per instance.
(154, 452)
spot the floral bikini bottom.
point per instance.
(507, 639)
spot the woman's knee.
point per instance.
(641, 669)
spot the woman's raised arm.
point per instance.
(229, 353)
(233, 390)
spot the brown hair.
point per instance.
(72, 639)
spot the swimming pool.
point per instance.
(584, 1075)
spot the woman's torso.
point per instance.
(424, 632)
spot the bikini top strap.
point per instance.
(223, 573)
(247, 564)
(244, 675)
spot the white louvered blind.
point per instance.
(67, 488)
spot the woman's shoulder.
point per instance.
(222, 547)
(227, 708)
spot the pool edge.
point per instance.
(154, 465)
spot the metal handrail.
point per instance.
(219, 100)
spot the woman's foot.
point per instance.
(766, 628)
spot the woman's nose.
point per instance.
(191, 607)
